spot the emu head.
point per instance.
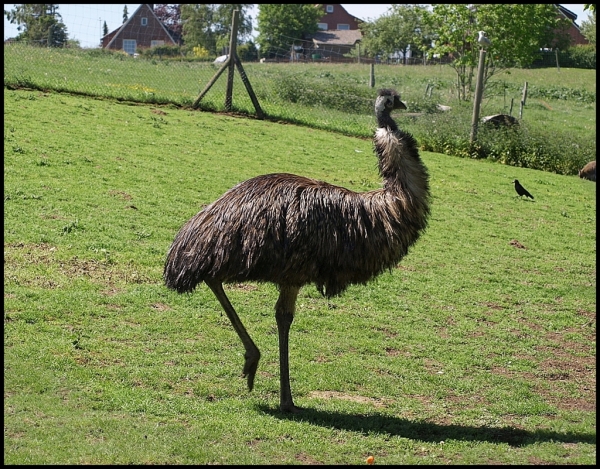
(388, 100)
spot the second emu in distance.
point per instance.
(292, 231)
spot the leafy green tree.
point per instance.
(588, 28)
(401, 29)
(248, 52)
(209, 25)
(590, 6)
(40, 23)
(170, 16)
(73, 44)
(516, 31)
(280, 25)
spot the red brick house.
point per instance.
(337, 18)
(338, 34)
(142, 30)
(577, 38)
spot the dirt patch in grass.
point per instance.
(347, 397)
(121, 194)
(307, 459)
(36, 265)
(565, 379)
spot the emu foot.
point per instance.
(250, 366)
(290, 408)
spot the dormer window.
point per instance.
(329, 8)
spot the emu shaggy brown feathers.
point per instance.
(588, 171)
(292, 231)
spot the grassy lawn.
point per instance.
(479, 348)
(328, 96)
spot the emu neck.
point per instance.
(400, 166)
(385, 121)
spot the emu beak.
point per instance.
(399, 105)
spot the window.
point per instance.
(329, 8)
(322, 26)
(343, 26)
(129, 46)
(157, 42)
(144, 21)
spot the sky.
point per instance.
(84, 22)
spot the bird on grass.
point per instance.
(521, 190)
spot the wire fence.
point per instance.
(332, 95)
(336, 97)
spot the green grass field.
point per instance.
(478, 349)
(558, 121)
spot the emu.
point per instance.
(292, 231)
(588, 171)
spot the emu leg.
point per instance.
(252, 354)
(284, 315)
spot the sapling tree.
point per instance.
(517, 33)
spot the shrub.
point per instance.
(159, 52)
(581, 56)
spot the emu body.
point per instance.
(292, 231)
(588, 171)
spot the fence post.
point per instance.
(523, 99)
(372, 76)
(231, 62)
(478, 95)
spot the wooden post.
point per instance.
(232, 61)
(358, 51)
(523, 99)
(557, 64)
(372, 76)
(478, 96)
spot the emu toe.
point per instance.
(290, 408)
(250, 367)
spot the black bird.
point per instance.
(521, 190)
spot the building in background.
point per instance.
(142, 30)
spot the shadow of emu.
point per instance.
(427, 431)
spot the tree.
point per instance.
(590, 6)
(402, 29)
(588, 27)
(517, 33)
(280, 25)
(104, 29)
(209, 25)
(40, 23)
(170, 16)
(125, 14)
